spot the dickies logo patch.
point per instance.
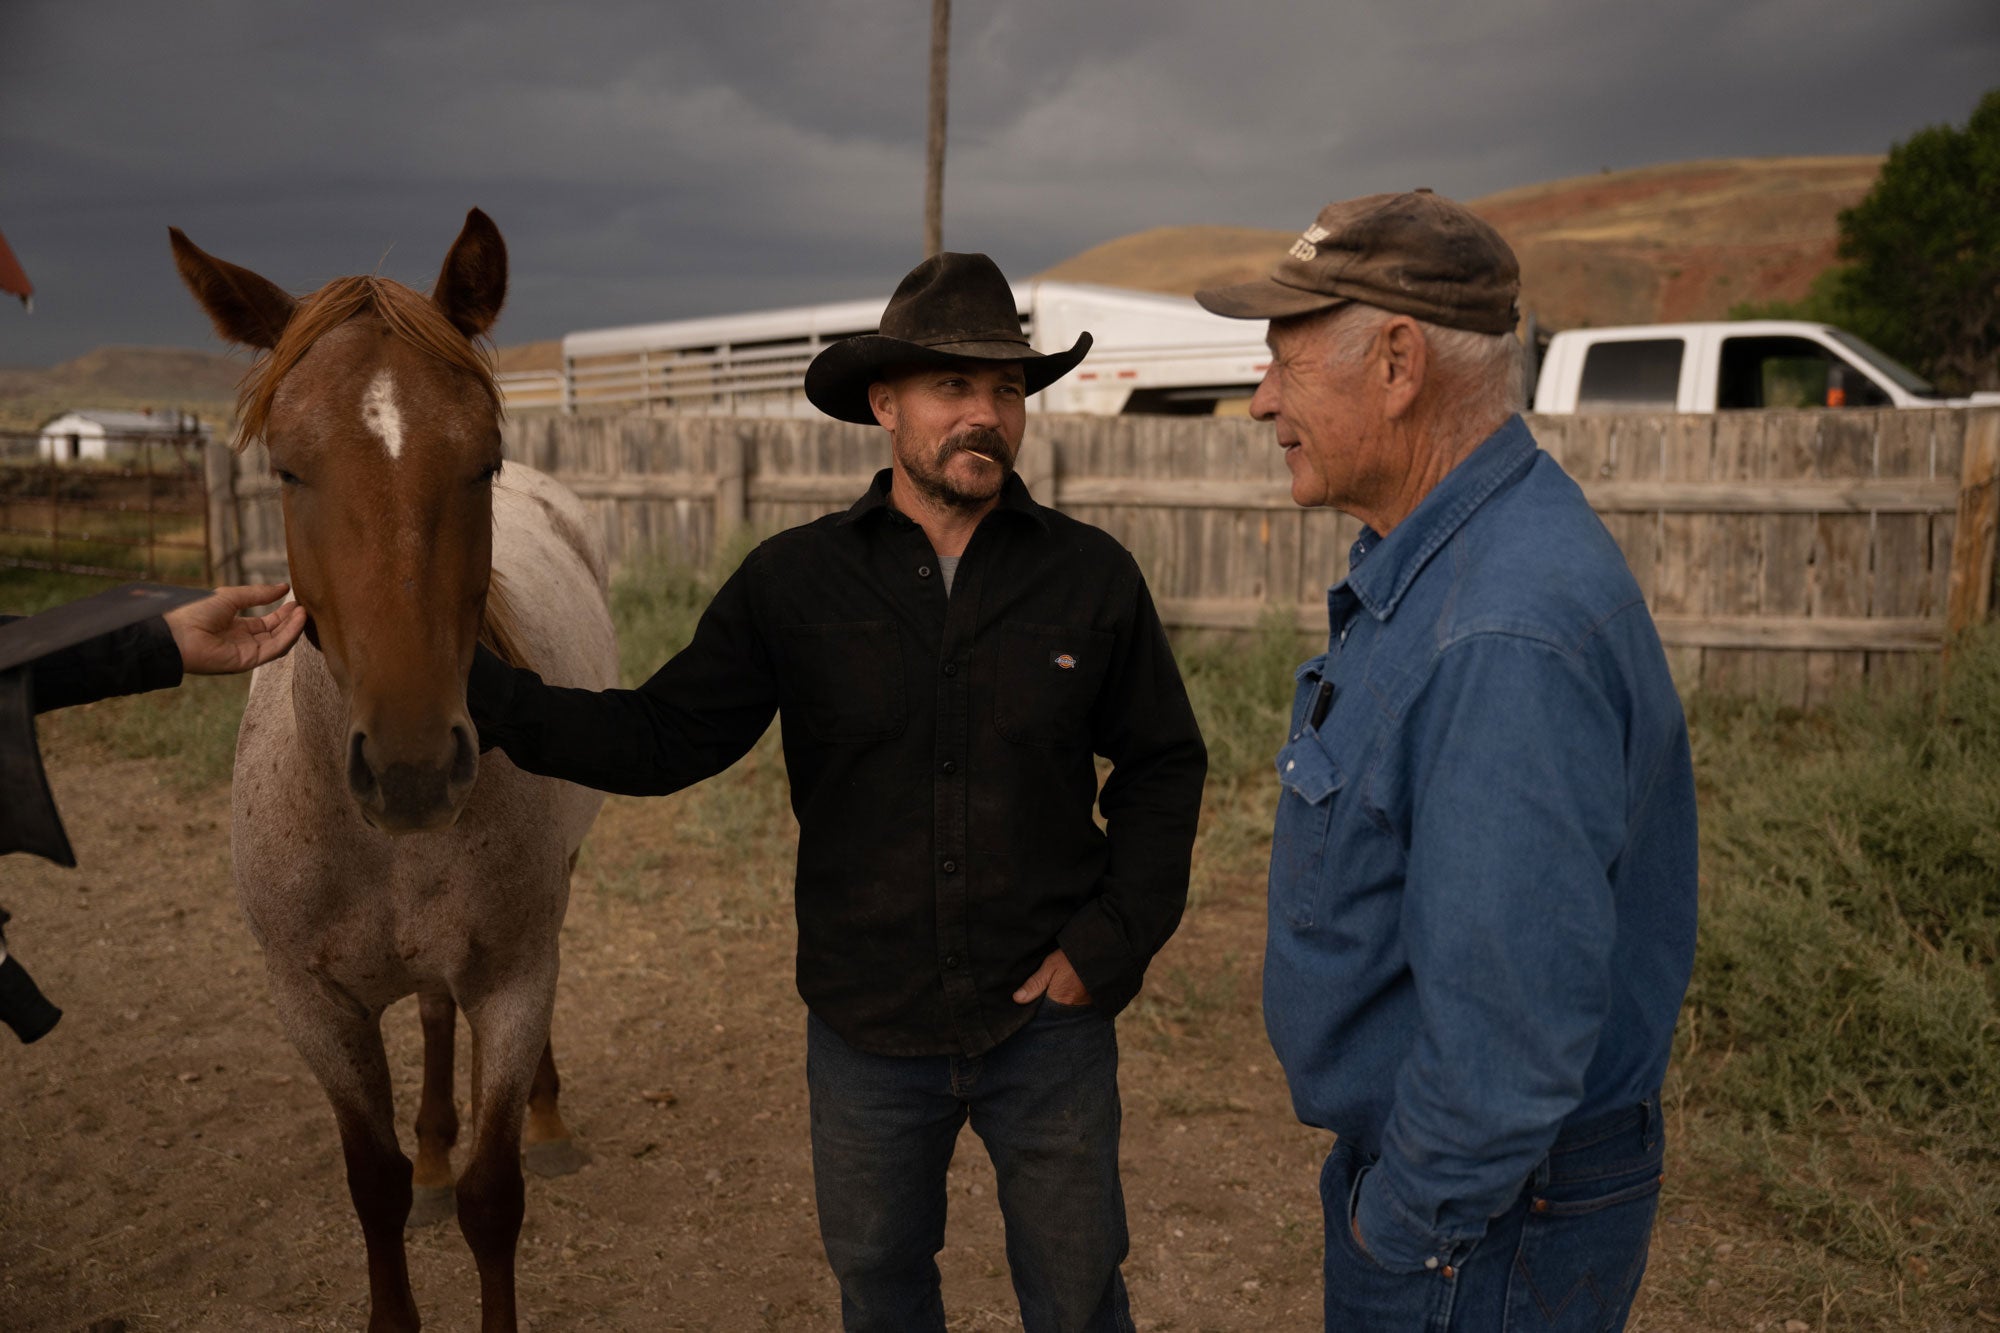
(1062, 661)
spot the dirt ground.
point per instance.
(167, 1162)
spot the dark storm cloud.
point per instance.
(652, 161)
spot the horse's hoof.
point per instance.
(555, 1157)
(430, 1205)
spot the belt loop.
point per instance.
(1649, 1124)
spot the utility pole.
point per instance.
(934, 165)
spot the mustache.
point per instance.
(988, 443)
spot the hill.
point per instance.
(1683, 241)
(177, 378)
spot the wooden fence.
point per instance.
(1787, 554)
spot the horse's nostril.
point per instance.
(360, 777)
(464, 755)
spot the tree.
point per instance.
(1923, 252)
(1921, 277)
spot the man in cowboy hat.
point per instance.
(948, 657)
(1482, 897)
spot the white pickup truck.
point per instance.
(1719, 366)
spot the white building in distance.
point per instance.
(96, 433)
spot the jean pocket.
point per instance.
(1361, 1293)
(1582, 1253)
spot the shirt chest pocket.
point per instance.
(846, 681)
(1046, 678)
(1310, 781)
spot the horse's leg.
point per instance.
(437, 1115)
(550, 1150)
(342, 1044)
(510, 1028)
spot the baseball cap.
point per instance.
(1416, 253)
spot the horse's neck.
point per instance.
(319, 714)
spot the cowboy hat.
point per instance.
(951, 307)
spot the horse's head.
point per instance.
(382, 421)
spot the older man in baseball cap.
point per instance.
(1482, 889)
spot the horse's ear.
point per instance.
(244, 307)
(473, 282)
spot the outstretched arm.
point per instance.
(696, 716)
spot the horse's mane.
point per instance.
(413, 317)
(500, 631)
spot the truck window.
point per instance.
(1643, 372)
(1198, 400)
(1790, 372)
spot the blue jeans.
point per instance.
(1565, 1258)
(1045, 1101)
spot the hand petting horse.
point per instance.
(377, 854)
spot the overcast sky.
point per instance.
(655, 160)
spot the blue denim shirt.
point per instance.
(1482, 894)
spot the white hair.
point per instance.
(1483, 372)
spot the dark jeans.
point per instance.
(1045, 1101)
(1566, 1258)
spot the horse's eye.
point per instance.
(288, 478)
(490, 473)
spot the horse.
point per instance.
(377, 853)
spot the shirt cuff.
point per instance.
(1098, 953)
(1394, 1236)
(489, 695)
(157, 656)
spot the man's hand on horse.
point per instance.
(215, 640)
(1058, 979)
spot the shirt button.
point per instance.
(951, 960)
(951, 668)
(951, 867)
(1431, 1262)
(948, 766)
(923, 571)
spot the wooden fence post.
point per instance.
(1969, 595)
(732, 484)
(225, 546)
(1039, 469)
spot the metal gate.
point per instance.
(120, 505)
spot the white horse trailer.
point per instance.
(1151, 353)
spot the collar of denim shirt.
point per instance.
(1381, 569)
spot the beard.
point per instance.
(928, 467)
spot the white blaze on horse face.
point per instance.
(380, 414)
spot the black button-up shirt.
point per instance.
(940, 750)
